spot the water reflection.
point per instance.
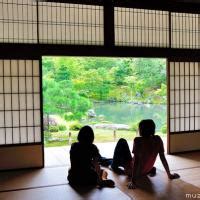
(126, 113)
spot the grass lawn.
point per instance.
(101, 135)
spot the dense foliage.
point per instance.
(72, 84)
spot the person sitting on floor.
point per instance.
(145, 150)
(84, 156)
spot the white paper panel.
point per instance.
(21, 68)
(187, 124)
(197, 82)
(182, 82)
(1, 63)
(15, 118)
(30, 118)
(1, 85)
(8, 118)
(9, 138)
(182, 68)
(171, 67)
(22, 88)
(1, 102)
(177, 68)
(197, 110)
(182, 110)
(36, 84)
(191, 110)
(171, 83)
(23, 118)
(36, 101)
(38, 134)
(16, 135)
(14, 68)
(187, 110)
(7, 101)
(187, 96)
(197, 69)
(2, 119)
(192, 68)
(197, 96)
(29, 101)
(6, 67)
(171, 97)
(22, 99)
(15, 101)
(192, 82)
(30, 134)
(187, 68)
(177, 111)
(23, 132)
(197, 123)
(29, 84)
(15, 85)
(177, 80)
(7, 84)
(29, 68)
(192, 123)
(37, 118)
(172, 125)
(192, 100)
(2, 136)
(36, 68)
(177, 95)
(182, 96)
(182, 124)
(172, 111)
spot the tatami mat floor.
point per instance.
(51, 182)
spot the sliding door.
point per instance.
(183, 106)
(20, 114)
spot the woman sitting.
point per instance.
(84, 155)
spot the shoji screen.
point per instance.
(185, 29)
(64, 23)
(18, 21)
(20, 117)
(184, 106)
(141, 27)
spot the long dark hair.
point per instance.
(86, 135)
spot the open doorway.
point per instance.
(110, 94)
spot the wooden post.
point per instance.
(70, 140)
(114, 135)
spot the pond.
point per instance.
(127, 113)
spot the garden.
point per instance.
(110, 94)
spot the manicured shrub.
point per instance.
(68, 116)
(62, 127)
(75, 125)
(53, 128)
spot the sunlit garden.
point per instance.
(110, 94)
